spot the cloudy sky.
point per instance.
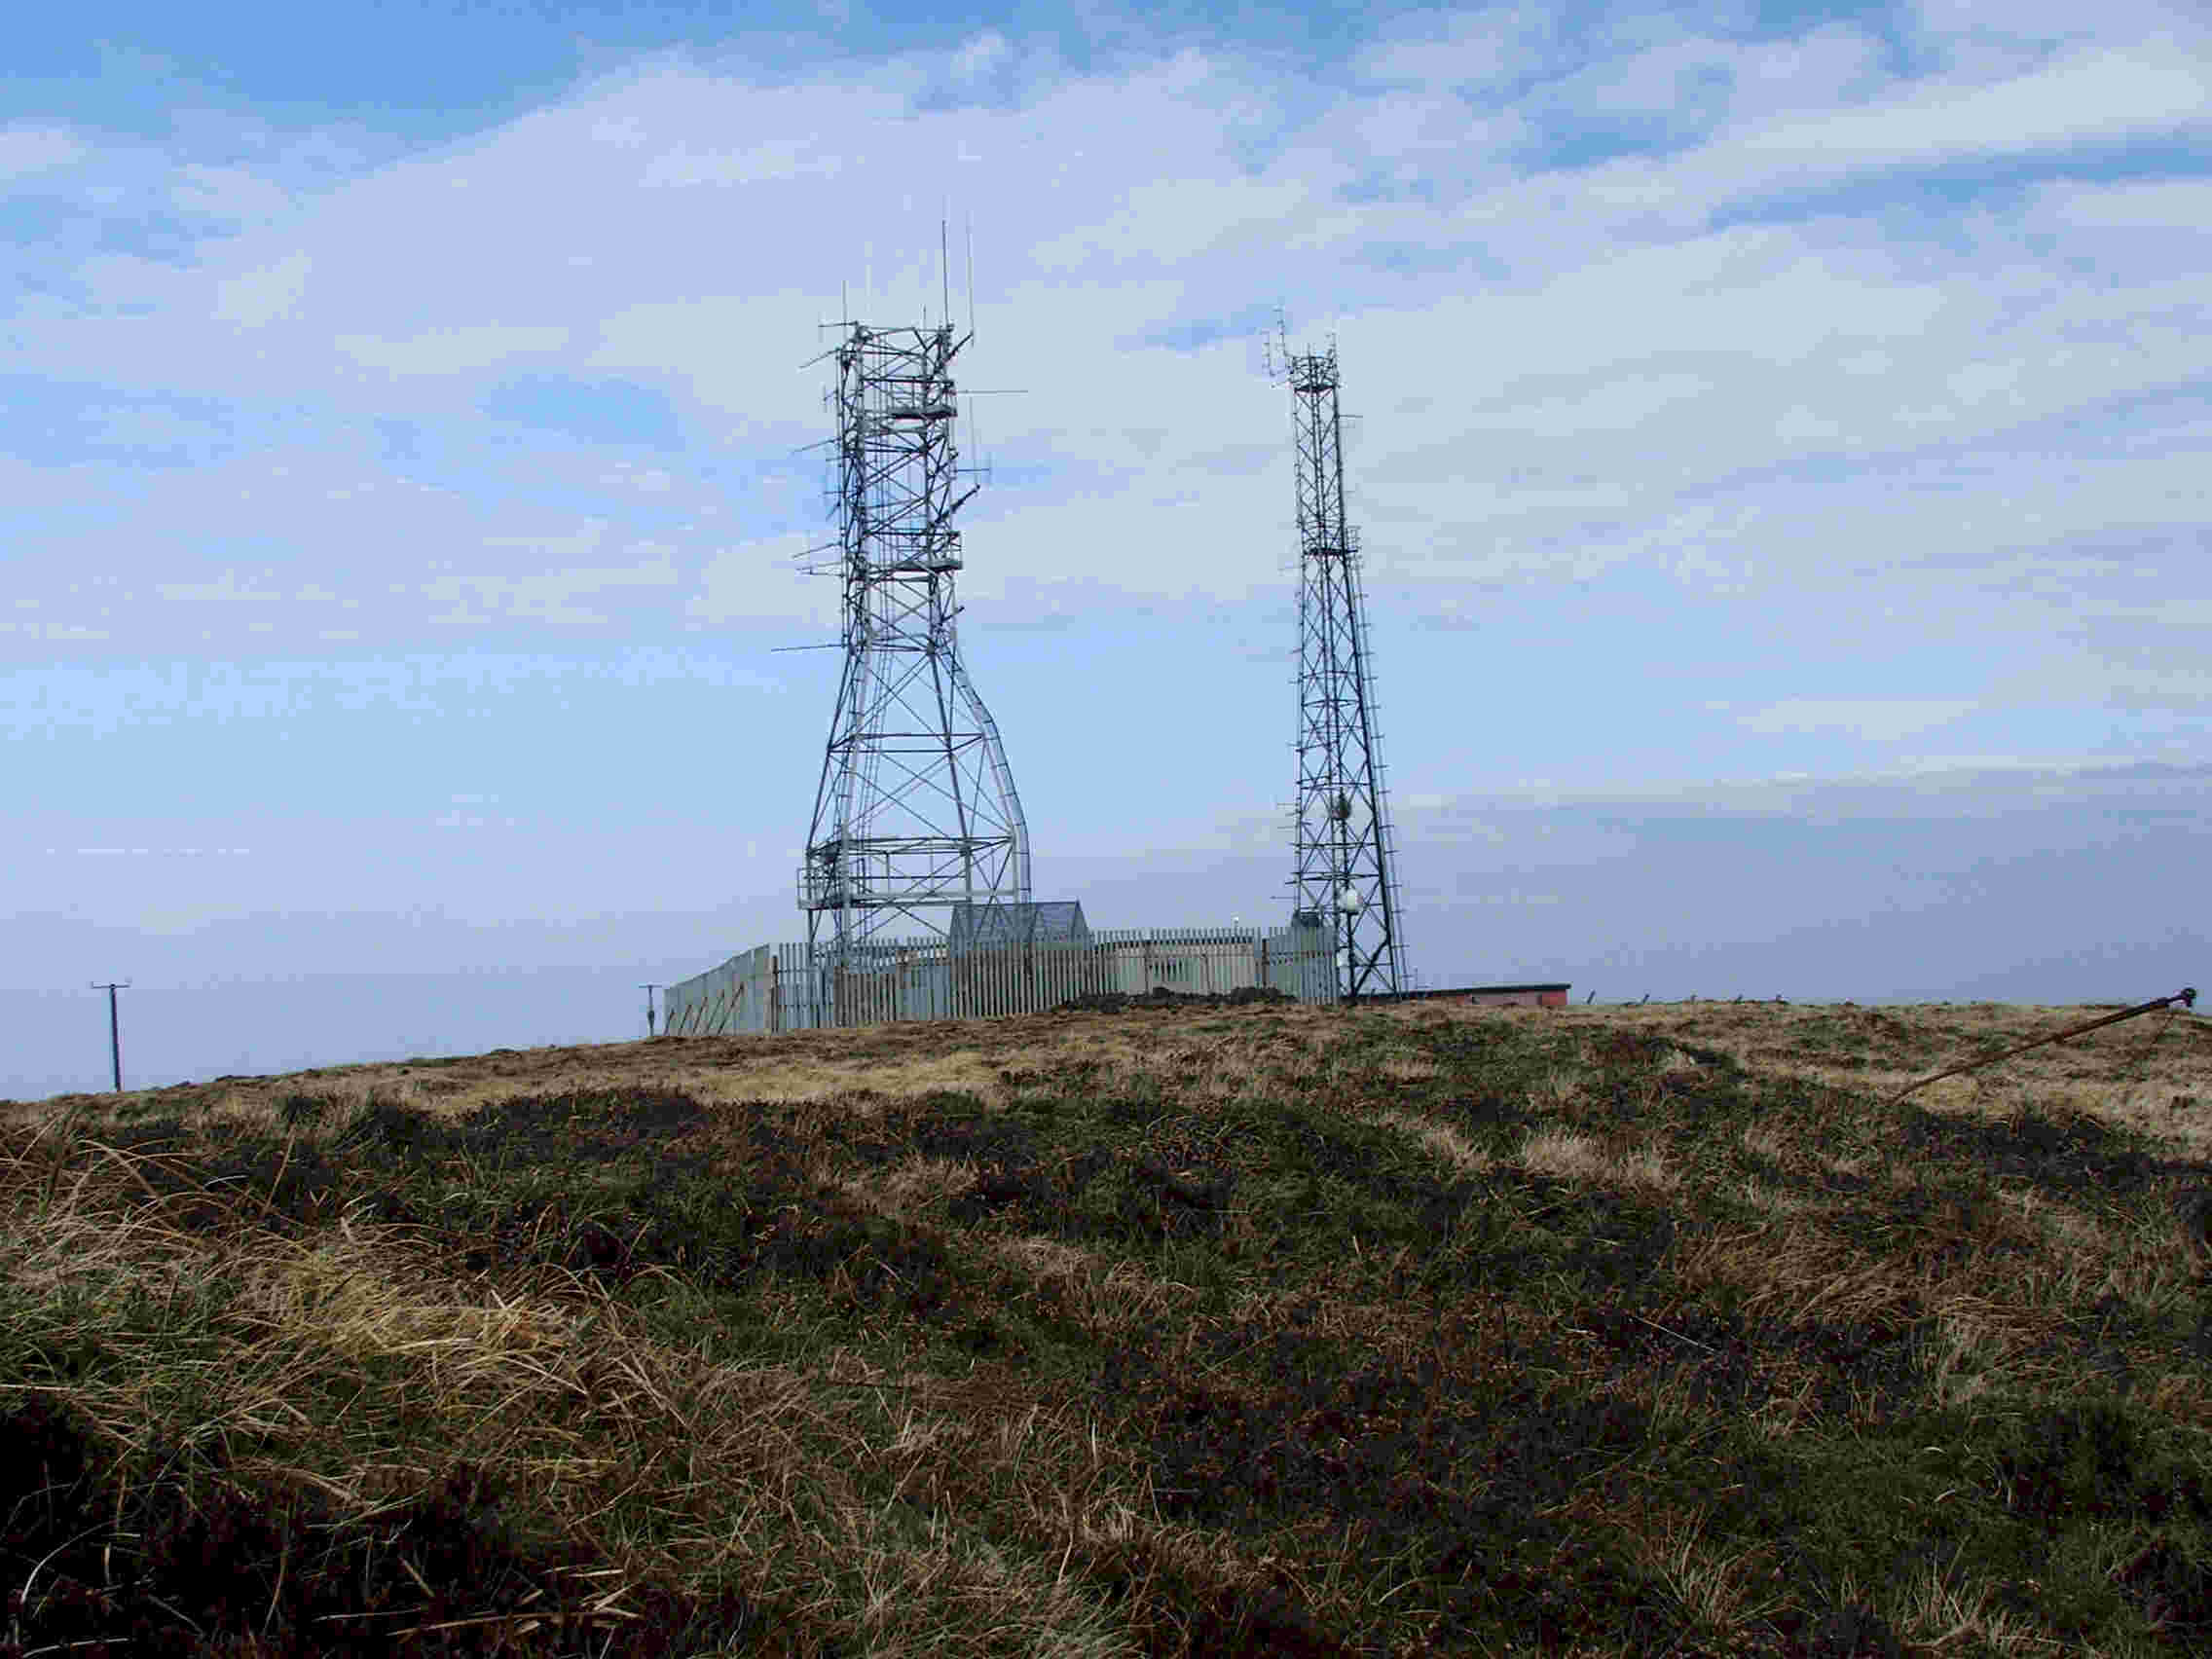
(1781, 452)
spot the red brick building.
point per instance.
(1515, 996)
(1495, 996)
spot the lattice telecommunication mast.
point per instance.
(916, 810)
(1345, 877)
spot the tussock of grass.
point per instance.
(1586, 1158)
(1440, 1138)
(1403, 1330)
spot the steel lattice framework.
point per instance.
(1345, 861)
(916, 809)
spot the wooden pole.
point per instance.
(2187, 997)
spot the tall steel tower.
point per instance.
(916, 810)
(1345, 876)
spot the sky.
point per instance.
(1780, 447)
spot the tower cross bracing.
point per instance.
(1345, 876)
(916, 810)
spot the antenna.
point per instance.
(1343, 876)
(916, 812)
(944, 267)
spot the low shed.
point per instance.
(1497, 996)
(1517, 996)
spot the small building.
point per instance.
(1515, 996)
(1494, 996)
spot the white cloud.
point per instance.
(772, 162)
(453, 351)
(2169, 205)
(1158, 224)
(554, 590)
(1835, 418)
(759, 578)
(235, 195)
(714, 347)
(226, 588)
(980, 55)
(1875, 719)
(646, 480)
(259, 297)
(1970, 29)
(1470, 51)
(26, 149)
(1928, 779)
(2091, 97)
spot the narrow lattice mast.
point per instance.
(916, 810)
(1344, 860)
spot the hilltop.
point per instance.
(1268, 1329)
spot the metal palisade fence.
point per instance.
(772, 987)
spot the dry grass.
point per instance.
(1176, 1333)
(2129, 1075)
(1451, 1146)
(762, 1470)
(1585, 1158)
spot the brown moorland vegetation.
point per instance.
(1176, 1330)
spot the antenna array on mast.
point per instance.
(1345, 876)
(916, 810)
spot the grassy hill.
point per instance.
(1179, 1330)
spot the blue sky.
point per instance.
(1781, 457)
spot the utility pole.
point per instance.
(113, 1030)
(649, 991)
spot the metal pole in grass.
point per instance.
(649, 991)
(2186, 996)
(114, 1029)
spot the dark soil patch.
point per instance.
(1630, 1050)
(1455, 1480)
(1937, 1226)
(2170, 1584)
(1872, 1366)
(962, 1128)
(1850, 1631)
(230, 1178)
(722, 1233)
(1157, 1200)
(1486, 1112)
(147, 1135)
(1174, 1615)
(1625, 1244)
(93, 1561)
(595, 1125)
(2067, 1153)
(1722, 1364)
(384, 1133)
(1870, 1369)
(232, 1174)
(2098, 1458)
(1175, 1185)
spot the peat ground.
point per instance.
(1161, 1329)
